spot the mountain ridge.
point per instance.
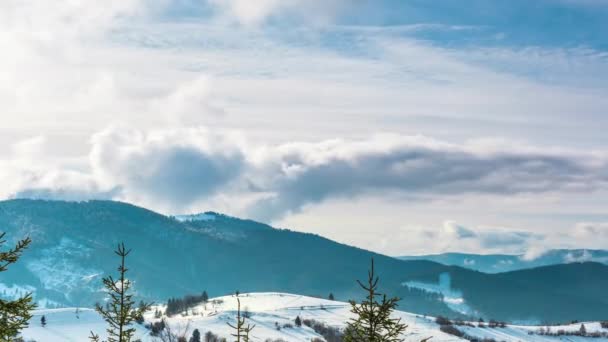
(497, 263)
(73, 244)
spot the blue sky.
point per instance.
(390, 125)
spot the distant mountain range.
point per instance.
(495, 263)
(173, 256)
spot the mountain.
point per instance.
(174, 256)
(495, 263)
(269, 310)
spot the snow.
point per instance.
(195, 217)
(452, 297)
(268, 309)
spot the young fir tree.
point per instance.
(373, 322)
(43, 321)
(120, 312)
(240, 328)
(14, 315)
(196, 336)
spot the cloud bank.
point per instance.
(178, 167)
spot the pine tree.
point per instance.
(373, 322)
(331, 296)
(298, 321)
(43, 321)
(205, 297)
(196, 336)
(241, 330)
(583, 330)
(120, 313)
(14, 315)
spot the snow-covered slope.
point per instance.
(269, 310)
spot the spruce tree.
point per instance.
(120, 312)
(14, 315)
(298, 321)
(43, 321)
(196, 336)
(240, 329)
(373, 322)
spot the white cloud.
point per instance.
(171, 169)
(70, 68)
(255, 12)
(175, 168)
(452, 237)
(534, 252)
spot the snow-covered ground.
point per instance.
(269, 310)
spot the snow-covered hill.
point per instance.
(274, 315)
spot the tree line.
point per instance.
(372, 321)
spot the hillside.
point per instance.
(269, 310)
(496, 263)
(174, 256)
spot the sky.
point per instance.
(400, 126)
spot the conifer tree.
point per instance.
(14, 315)
(196, 336)
(121, 312)
(331, 296)
(43, 321)
(240, 329)
(373, 322)
(298, 321)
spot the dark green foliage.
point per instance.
(179, 305)
(211, 337)
(373, 322)
(156, 327)
(241, 330)
(120, 312)
(298, 321)
(43, 321)
(331, 296)
(196, 336)
(14, 315)
(329, 333)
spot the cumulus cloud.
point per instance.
(174, 167)
(534, 252)
(178, 167)
(583, 256)
(298, 174)
(452, 236)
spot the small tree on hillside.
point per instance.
(240, 329)
(196, 336)
(298, 321)
(43, 321)
(14, 315)
(331, 296)
(121, 312)
(373, 322)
